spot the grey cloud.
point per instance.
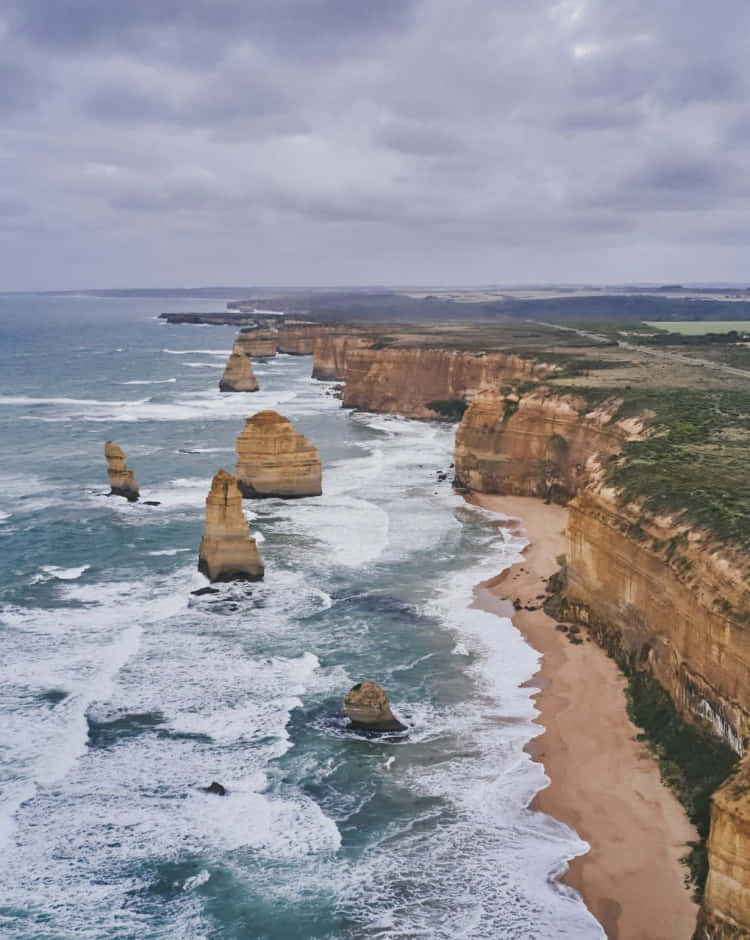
(21, 88)
(416, 138)
(412, 139)
(114, 23)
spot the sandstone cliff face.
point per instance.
(238, 375)
(726, 910)
(300, 340)
(669, 598)
(542, 444)
(275, 460)
(257, 343)
(664, 596)
(121, 478)
(227, 552)
(403, 380)
(330, 352)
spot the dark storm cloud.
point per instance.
(396, 140)
(21, 89)
(301, 23)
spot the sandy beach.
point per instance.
(604, 784)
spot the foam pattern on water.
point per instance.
(124, 694)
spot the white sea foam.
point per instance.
(49, 572)
(197, 352)
(149, 382)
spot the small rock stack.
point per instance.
(368, 709)
(238, 374)
(121, 478)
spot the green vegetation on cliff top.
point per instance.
(695, 466)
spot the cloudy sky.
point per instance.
(188, 142)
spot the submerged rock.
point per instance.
(227, 551)
(121, 478)
(238, 375)
(368, 709)
(275, 460)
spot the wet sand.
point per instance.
(604, 784)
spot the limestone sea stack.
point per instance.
(368, 709)
(227, 552)
(121, 478)
(275, 460)
(238, 375)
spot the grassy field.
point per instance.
(698, 327)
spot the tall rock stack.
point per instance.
(227, 551)
(121, 478)
(275, 460)
(238, 375)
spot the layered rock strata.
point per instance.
(257, 343)
(368, 709)
(669, 600)
(330, 351)
(658, 594)
(273, 459)
(238, 374)
(299, 339)
(121, 478)
(725, 914)
(227, 551)
(541, 444)
(405, 380)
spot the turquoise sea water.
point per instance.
(121, 693)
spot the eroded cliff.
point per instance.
(411, 381)
(330, 351)
(257, 343)
(299, 339)
(539, 444)
(725, 914)
(273, 459)
(656, 568)
(227, 551)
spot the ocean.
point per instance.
(122, 694)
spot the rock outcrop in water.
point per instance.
(368, 709)
(275, 460)
(227, 551)
(257, 343)
(121, 478)
(238, 375)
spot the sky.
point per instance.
(343, 142)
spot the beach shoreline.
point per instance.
(603, 782)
